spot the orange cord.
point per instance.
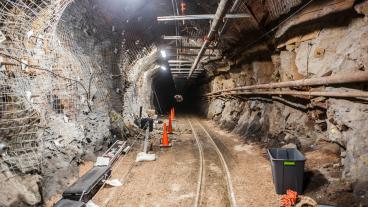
(289, 199)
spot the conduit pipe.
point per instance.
(232, 10)
(341, 94)
(353, 77)
(220, 13)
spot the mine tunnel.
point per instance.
(116, 103)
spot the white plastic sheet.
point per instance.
(142, 156)
(114, 182)
(91, 204)
(102, 161)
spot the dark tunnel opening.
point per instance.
(163, 89)
(191, 103)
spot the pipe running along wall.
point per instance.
(347, 94)
(335, 79)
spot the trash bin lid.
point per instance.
(291, 154)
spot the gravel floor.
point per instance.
(171, 180)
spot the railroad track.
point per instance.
(211, 186)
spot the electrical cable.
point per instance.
(158, 102)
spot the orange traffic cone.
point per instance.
(172, 113)
(165, 138)
(170, 129)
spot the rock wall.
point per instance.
(308, 123)
(62, 79)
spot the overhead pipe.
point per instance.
(354, 77)
(233, 8)
(220, 13)
(339, 94)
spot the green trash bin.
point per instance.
(287, 169)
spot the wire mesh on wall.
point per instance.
(277, 8)
(46, 69)
(19, 124)
(26, 56)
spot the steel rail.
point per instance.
(230, 188)
(201, 163)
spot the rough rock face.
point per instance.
(230, 114)
(288, 69)
(274, 123)
(217, 83)
(68, 130)
(20, 190)
(331, 130)
(67, 144)
(348, 123)
(262, 71)
(220, 83)
(340, 49)
(242, 124)
(215, 108)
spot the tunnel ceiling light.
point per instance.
(163, 54)
(163, 67)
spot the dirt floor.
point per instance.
(171, 180)
(250, 170)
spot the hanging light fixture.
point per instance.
(163, 54)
